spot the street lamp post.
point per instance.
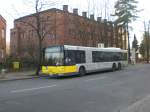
(148, 44)
(129, 54)
(147, 40)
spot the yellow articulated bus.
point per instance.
(65, 60)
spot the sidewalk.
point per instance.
(30, 74)
(17, 75)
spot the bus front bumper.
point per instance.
(59, 70)
(63, 75)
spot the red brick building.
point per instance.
(63, 27)
(2, 38)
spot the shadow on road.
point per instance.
(76, 76)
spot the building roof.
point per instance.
(1, 18)
(55, 9)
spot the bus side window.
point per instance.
(80, 56)
(117, 56)
(69, 57)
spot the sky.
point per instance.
(13, 9)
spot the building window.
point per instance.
(48, 18)
(1, 53)
(3, 34)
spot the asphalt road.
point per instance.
(119, 91)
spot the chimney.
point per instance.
(84, 14)
(99, 19)
(92, 16)
(65, 8)
(110, 23)
(75, 11)
(105, 20)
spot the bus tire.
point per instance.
(113, 67)
(119, 66)
(82, 71)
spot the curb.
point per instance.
(14, 79)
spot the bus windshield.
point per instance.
(53, 56)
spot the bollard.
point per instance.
(3, 72)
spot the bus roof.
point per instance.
(112, 49)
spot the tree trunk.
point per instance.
(39, 58)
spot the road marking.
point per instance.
(95, 79)
(31, 89)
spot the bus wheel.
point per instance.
(113, 67)
(82, 71)
(119, 66)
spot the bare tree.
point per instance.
(41, 27)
